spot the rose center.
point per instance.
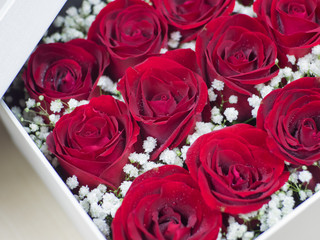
(184, 7)
(170, 221)
(136, 29)
(241, 177)
(238, 58)
(62, 76)
(297, 9)
(162, 104)
(308, 133)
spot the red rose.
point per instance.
(166, 96)
(291, 117)
(189, 17)
(236, 50)
(93, 141)
(234, 168)
(293, 24)
(131, 30)
(64, 70)
(165, 203)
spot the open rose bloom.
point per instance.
(214, 137)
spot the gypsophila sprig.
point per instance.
(174, 39)
(76, 23)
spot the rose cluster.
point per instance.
(233, 170)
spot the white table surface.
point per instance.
(27, 209)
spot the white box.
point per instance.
(22, 24)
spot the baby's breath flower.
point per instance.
(254, 112)
(265, 91)
(231, 114)
(102, 188)
(72, 182)
(291, 59)
(192, 138)
(275, 81)
(203, 127)
(304, 64)
(98, 7)
(95, 195)
(16, 111)
(56, 106)
(54, 118)
(30, 103)
(131, 170)
(140, 158)
(316, 50)
(33, 127)
(72, 11)
(216, 116)
(259, 86)
(149, 144)
(58, 22)
(233, 99)
(83, 102)
(212, 95)
(124, 187)
(73, 103)
(83, 191)
(150, 165)
(163, 50)
(287, 72)
(85, 205)
(254, 101)
(293, 177)
(217, 84)
(94, 2)
(170, 157)
(96, 211)
(305, 176)
(85, 8)
(191, 45)
(184, 151)
(106, 84)
(176, 36)
(102, 226)
(303, 195)
(38, 120)
(111, 204)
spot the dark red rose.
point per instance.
(93, 141)
(291, 117)
(166, 96)
(294, 25)
(236, 50)
(234, 168)
(64, 70)
(131, 30)
(165, 203)
(189, 17)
